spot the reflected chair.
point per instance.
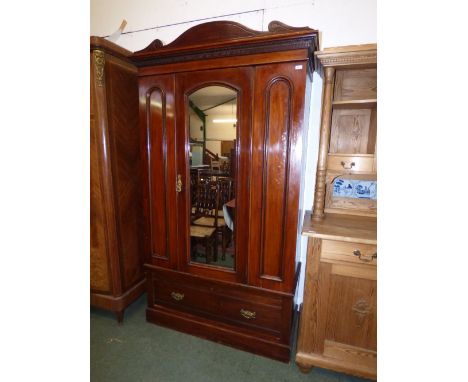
(206, 212)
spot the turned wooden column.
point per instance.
(320, 180)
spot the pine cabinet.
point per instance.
(220, 228)
(338, 324)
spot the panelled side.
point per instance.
(157, 130)
(104, 273)
(122, 85)
(99, 269)
(276, 170)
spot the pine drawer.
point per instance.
(355, 253)
(350, 163)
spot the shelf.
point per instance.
(352, 155)
(350, 228)
(355, 104)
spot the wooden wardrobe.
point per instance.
(248, 305)
(117, 276)
(338, 325)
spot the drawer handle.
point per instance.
(348, 165)
(247, 314)
(177, 296)
(367, 259)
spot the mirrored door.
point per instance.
(212, 155)
(213, 150)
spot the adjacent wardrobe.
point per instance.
(116, 275)
(228, 279)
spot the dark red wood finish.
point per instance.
(268, 71)
(240, 80)
(158, 140)
(117, 276)
(276, 173)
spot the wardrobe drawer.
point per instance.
(349, 252)
(244, 308)
(350, 163)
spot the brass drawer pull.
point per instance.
(177, 296)
(367, 259)
(247, 314)
(348, 165)
(179, 183)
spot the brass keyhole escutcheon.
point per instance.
(179, 183)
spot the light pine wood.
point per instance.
(351, 354)
(348, 127)
(352, 56)
(354, 104)
(344, 251)
(348, 228)
(355, 84)
(319, 200)
(338, 325)
(357, 271)
(350, 131)
(345, 163)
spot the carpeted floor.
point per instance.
(139, 351)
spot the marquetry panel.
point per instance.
(99, 270)
(117, 277)
(122, 107)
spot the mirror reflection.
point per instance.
(213, 128)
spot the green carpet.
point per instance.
(139, 351)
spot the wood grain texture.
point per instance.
(349, 164)
(348, 127)
(338, 328)
(276, 168)
(348, 228)
(350, 131)
(339, 317)
(116, 211)
(325, 124)
(355, 84)
(334, 251)
(217, 305)
(352, 56)
(99, 274)
(309, 320)
(157, 129)
(219, 39)
(250, 306)
(344, 322)
(239, 80)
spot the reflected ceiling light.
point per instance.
(225, 120)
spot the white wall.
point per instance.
(340, 22)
